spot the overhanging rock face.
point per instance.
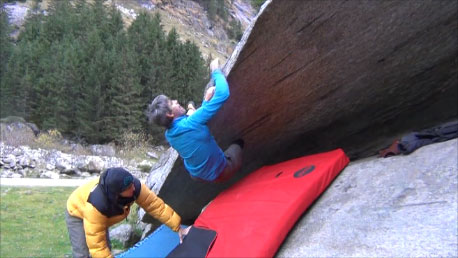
(312, 76)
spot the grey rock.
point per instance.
(69, 172)
(32, 163)
(122, 233)
(103, 150)
(85, 174)
(63, 163)
(16, 13)
(80, 163)
(34, 128)
(152, 154)
(402, 206)
(24, 161)
(23, 172)
(66, 164)
(18, 152)
(145, 165)
(7, 173)
(36, 154)
(10, 161)
(157, 177)
(33, 173)
(141, 213)
(77, 148)
(160, 148)
(331, 74)
(147, 230)
(50, 166)
(50, 174)
(16, 175)
(94, 164)
(161, 169)
(11, 127)
(144, 228)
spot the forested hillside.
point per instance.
(79, 70)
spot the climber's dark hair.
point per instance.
(157, 111)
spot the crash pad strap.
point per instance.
(196, 244)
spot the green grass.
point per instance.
(32, 222)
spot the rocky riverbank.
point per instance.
(23, 161)
(27, 152)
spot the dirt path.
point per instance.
(42, 182)
(46, 182)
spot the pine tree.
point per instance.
(18, 83)
(92, 102)
(174, 66)
(147, 38)
(212, 9)
(78, 70)
(69, 82)
(186, 71)
(196, 72)
(221, 9)
(6, 49)
(125, 109)
(6, 46)
(215, 8)
(257, 3)
(235, 30)
(46, 88)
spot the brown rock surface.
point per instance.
(318, 75)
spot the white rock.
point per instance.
(50, 174)
(18, 152)
(153, 154)
(95, 164)
(16, 175)
(121, 233)
(10, 160)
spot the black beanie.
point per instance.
(116, 180)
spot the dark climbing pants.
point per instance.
(233, 156)
(78, 237)
(234, 162)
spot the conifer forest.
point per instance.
(79, 69)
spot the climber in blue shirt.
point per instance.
(190, 136)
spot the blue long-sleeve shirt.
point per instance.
(191, 137)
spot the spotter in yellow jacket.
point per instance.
(105, 201)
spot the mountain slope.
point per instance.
(189, 18)
(191, 21)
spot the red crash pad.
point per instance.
(253, 217)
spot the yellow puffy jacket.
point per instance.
(96, 223)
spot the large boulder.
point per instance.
(16, 131)
(311, 76)
(122, 233)
(103, 150)
(385, 208)
(156, 178)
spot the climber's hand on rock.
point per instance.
(209, 93)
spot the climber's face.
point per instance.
(177, 109)
(129, 192)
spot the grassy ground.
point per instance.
(32, 222)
